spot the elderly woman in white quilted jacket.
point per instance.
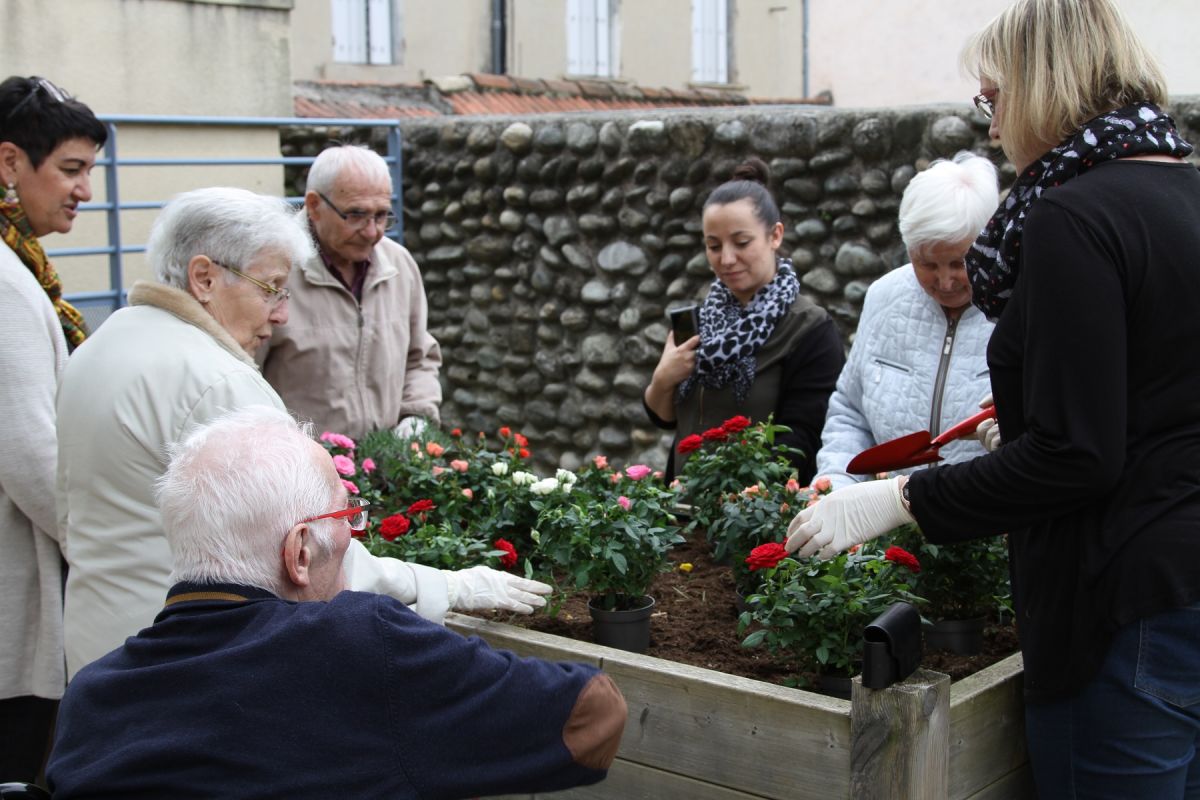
(918, 359)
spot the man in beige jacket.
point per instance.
(355, 355)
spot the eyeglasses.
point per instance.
(985, 103)
(53, 92)
(275, 296)
(355, 514)
(384, 220)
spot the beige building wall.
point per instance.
(870, 53)
(768, 47)
(537, 38)
(436, 38)
(157, 57)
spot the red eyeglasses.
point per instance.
(355, 514)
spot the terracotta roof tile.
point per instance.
(486, 80)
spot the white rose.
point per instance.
(565, 477)
(522, 478)
(544, 486)
(500, 468)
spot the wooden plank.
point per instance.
(899, 737)
(987, 728)
(629, 781)
(706, 725)
(1016, 785)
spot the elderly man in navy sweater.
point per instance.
(263, 678)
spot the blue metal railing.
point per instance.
(114, 297)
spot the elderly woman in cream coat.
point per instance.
(180, 355)
(918, 360)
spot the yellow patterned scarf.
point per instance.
(17, 234)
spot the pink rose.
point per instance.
(438, 470)
(434, 449)
(350, 487)
(337, 440)
(344, 465)
(637, 471)
(601, 462)
(822, 484)
(792, 485)
(624, 502)
(459, 465)
(468, 493)
(368, 465)
(615, 477)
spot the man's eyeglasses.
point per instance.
(384, 220)
(355, 514)
(985, 103)
(39, 84)
(275, 296)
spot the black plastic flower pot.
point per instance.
(623, 629)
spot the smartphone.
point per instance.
(685, 322)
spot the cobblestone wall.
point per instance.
(552, 246)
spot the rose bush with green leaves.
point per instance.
(960, 580)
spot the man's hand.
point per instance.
(849, 516)
(409, 428)
(988, 432)
(483, 587)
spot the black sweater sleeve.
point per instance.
(810, 373)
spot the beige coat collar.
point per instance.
(187, 308)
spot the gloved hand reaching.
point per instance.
(483, 587)
(409, 427)
(851, 515)
(988, 432)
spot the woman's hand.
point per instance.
(675, 364)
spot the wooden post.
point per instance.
(900, 739)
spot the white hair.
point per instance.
(334, 162)
(949, 202)
(230, 226)
(233, 489)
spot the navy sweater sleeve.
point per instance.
(1058, 365)
(810, 373)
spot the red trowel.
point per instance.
(913, 449)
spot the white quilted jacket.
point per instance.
(907, 371)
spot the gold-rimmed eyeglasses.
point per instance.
(986, 102)
(355, 514)
(275, 295)
(384, 220)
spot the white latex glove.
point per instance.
(988, 432)
(410, 427)
(483, 587)
(849, 516)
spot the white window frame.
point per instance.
(362, 31)
(589, 38)
(710, 41)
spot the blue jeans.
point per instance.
(1133, 732)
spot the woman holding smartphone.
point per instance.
(762, 348)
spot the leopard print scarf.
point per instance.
(730, 335)
(994, 259)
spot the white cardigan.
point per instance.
(33, 353)
(886, 389)
(149, 375)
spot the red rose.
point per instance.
(520, 440)
(509, 559)
(898, 555)
(715, 435)
(456, 432)
(505, 432)
(690, 443)
(735, 424)
(420, 506)
(766, 556)
(393, 527)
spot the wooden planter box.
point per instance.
(705, 735)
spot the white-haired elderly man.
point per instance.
(262, 678)
(919, 356)
(177, 357)
(355, 356)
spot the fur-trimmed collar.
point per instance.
(187, 308)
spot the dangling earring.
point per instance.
(10, 195)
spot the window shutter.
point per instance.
(379, 31)
(349, 26)
(710, 46)
(602, 65)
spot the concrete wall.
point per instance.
(551, 247)
(162, 57)
(446, 37)
(869, 53)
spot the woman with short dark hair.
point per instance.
(48, 144)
